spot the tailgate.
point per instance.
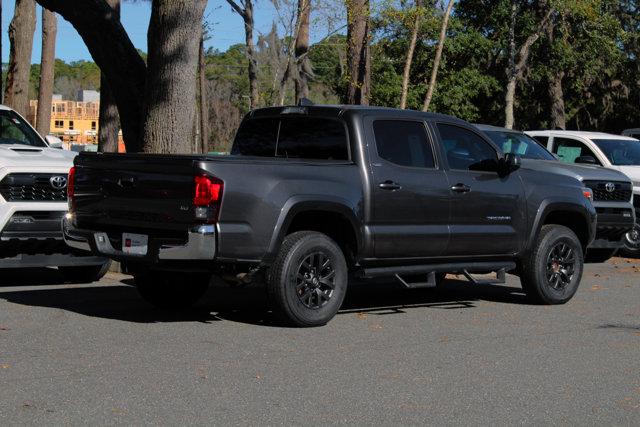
(146, 193)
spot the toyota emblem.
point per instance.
(58, 182)
(610, 187)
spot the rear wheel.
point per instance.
(631, 248)
(308, 280)
(170, 290)
(552, 273)
(596, 256)
(85, 273)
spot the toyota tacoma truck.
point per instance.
(313, 195)
(33, 200)
(612, 190)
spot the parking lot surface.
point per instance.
(466, 354)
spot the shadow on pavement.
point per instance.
(240, 304)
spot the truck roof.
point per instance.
(577, 133)
(337, 110)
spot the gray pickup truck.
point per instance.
(313, 195)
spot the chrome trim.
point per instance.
(74, 241)
(201, 244)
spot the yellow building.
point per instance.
(71, 121)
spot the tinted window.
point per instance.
(14, 130)
(256, 137)
(294, 137)
(620, 152)
(403, 143)
(520, 144)
(312, 138)
(466, 150)
(568, 150)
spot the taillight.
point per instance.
(71, 188)
(207, 197)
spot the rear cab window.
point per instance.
(312, 138)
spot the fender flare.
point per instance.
(549, 206)
(307, 203)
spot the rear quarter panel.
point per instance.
(260, 196)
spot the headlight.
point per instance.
(636, 183)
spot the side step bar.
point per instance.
(461, 268)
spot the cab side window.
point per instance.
(568, 150)
(404, 143)
(466, 150)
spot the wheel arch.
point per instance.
(576, 217)
(329, 215)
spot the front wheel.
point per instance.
(308, 280)
(552, 273)
(631, 241)
(169, 290)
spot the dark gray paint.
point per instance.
(421, 222)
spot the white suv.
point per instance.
(610, 151)
(33, 201)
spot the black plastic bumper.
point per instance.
(613, 224)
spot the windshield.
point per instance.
(14, 130)
(620, 152)
(520, 144)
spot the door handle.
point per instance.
(389, 186)
(460, 188)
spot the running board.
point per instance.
(430, 283)
(469, 267)
(501, 278)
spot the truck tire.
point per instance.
(598, 256)
(552, 272)
(169, 290)
(631, 241)
(85, 273)
(308, 280)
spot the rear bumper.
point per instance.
(200, 245)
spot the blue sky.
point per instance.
(228, 28)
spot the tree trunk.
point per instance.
(304, 71)
(21, 32)
(113, 52)
(412, 48)
(358, 55)
(515, 72)
(109, 120)
(47, 62)
(204, 107)
(556, 94)
(172, 76)
(436, 60)
(510, 93)
(254, 94)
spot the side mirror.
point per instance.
(510, 163)
(586, 160)
(53, 141)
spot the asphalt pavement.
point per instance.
(464, 355)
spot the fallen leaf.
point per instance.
(4, 366)
(596, 288)
(361, 316)
(258, 377)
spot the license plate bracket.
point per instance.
(135, 244)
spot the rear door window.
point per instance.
(403, 143)
(292, 137)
